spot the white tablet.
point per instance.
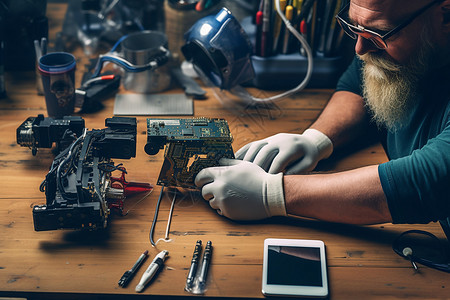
(294, 268)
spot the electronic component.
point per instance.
(93, 91)
(192, 144)
(39, 132)
(79, 188)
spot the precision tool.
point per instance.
(205, 265)
(156, 264)
(194, 265)
(128, 275)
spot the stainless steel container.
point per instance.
(139, 49)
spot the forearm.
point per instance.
(353, 197)
(343, 119)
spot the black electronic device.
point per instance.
(92, 92)
(44, 132)
(192, 144)
(79, 188)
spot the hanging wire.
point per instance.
(169, 220)
(135, 204)
(244, 94)
(128, 66)
(152, 229)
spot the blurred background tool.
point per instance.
(98, 24)
(22, 22)
(190, 86)
(180, 16)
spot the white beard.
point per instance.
(389, 94)
(390, 90)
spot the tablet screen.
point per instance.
(294, 267)
(289, 265)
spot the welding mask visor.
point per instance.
(220, 49)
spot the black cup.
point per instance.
(58, 79)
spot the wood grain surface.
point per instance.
(87, 265)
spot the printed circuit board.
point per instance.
(191, 145)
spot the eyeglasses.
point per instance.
(378, 39)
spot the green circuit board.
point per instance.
(191, 145)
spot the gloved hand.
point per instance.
(287, 152)
(241, 190)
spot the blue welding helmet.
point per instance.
(219, 47)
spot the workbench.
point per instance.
(70, 264)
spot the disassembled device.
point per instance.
(192, 144)
(39, 132)
(80, 191)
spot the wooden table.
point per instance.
(76, 264)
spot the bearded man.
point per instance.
(398, 84)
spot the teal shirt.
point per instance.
(416, 179)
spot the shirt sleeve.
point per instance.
(351, 79)
(417, 186)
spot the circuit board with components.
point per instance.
(192, 144)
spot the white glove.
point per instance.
(287, 152)
(241, 190)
